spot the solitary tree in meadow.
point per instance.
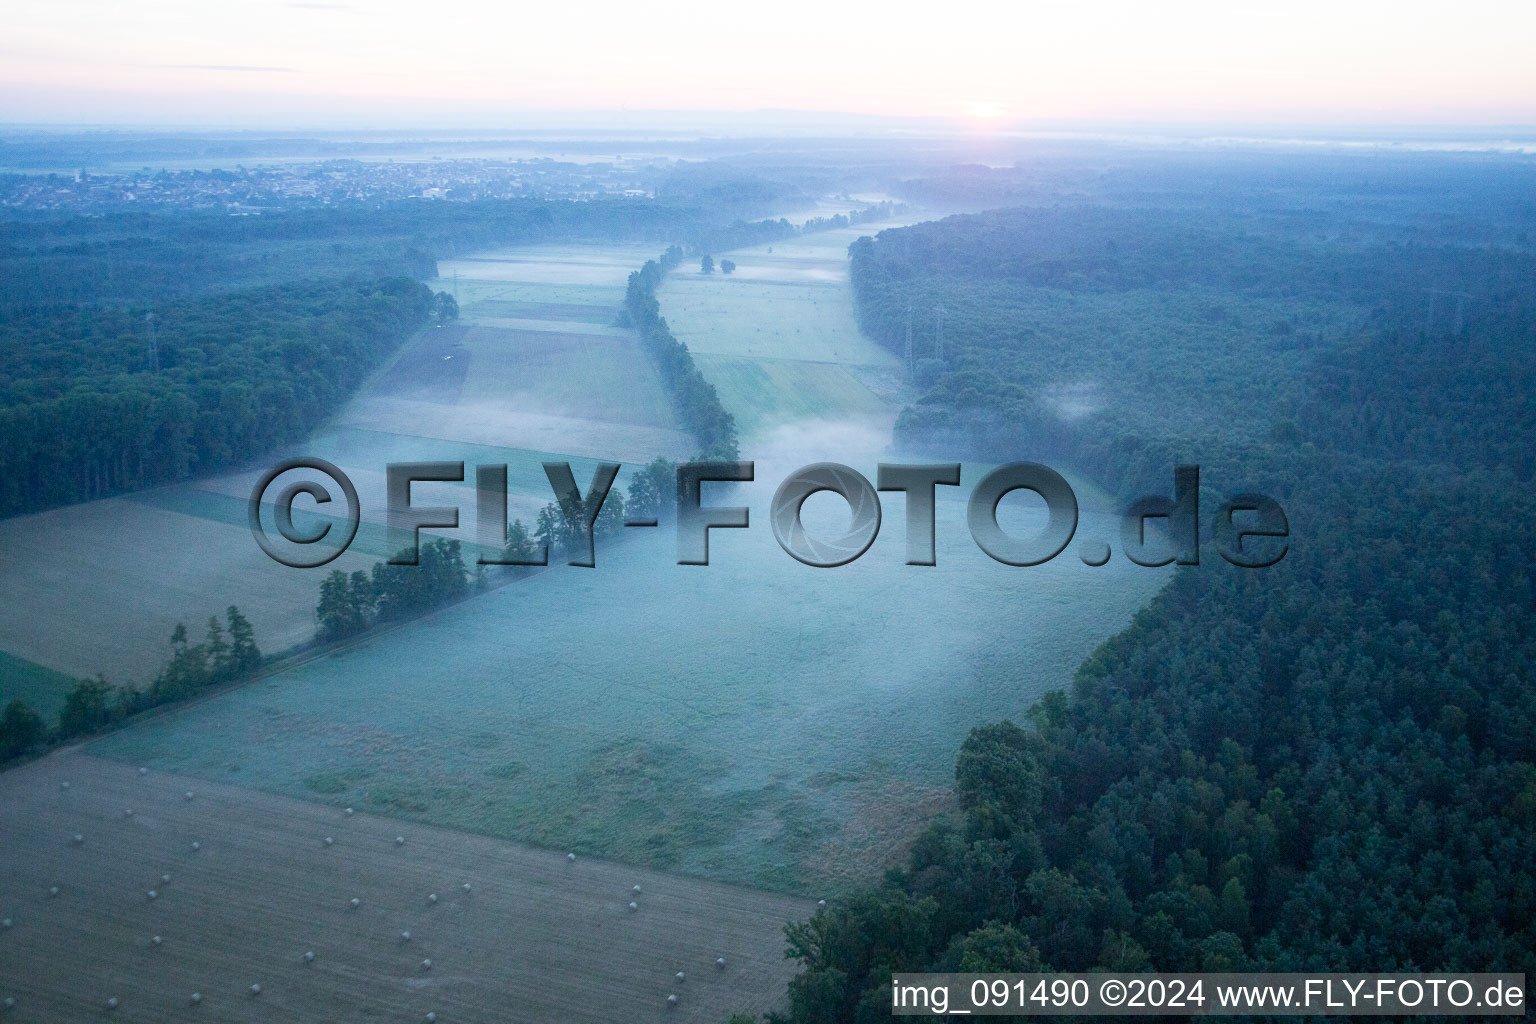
(707, 265)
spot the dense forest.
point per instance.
(1130, 340)
(1315, 193)
(1323, 765)
(104, 399)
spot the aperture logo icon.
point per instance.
(862, 501)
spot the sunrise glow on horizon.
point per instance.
(377, 62)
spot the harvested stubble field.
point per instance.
(98, 587)
(535, 938)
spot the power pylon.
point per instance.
(1461, 306)
(907, 356)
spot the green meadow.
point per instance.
(755, 720)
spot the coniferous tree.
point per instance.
(216, 650)
(244, 655)
(87, 707)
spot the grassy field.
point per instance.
(754, 720)
(767, 394)
(99, 587)
(535, 937)
(778, 340)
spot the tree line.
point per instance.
(350, 604)
(698, 405)
(136, 257)
(884, 210)
(740, 233)
(227, 653)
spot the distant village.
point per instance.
(254, 190)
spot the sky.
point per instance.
(380, 62)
